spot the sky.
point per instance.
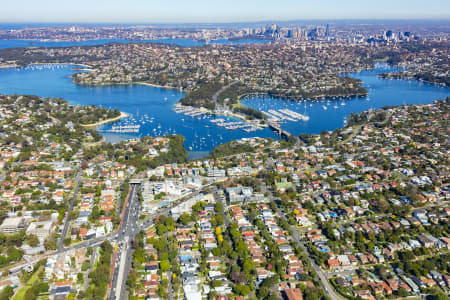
(216, 11)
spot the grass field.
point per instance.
(21, 293)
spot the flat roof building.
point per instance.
(11, 225)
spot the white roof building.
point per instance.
(11, 225)
(40, 229)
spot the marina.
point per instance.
(247, 126)
(156, 110)
(285, 115)
(124, 129)
(203, 113)
(190, 111)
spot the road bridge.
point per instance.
(283, 133)
(135, 181)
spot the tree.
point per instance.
(248, 266)
(67, 241)
(242, 289)
(218, 207)
(402, 292)
(219, 220)
(218, 230)
(262, 293)
(132, 279)
(185, 218)
(33, 240)
(6, 293)
(161, 229)
(216, 252)
(164, 265)
(220, 239)
(216, 283)
(80, 277)
(273, 297)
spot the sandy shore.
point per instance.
(122, 115)
(155, 85)
(8, 66)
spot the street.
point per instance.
(66, 219)
(124, 239)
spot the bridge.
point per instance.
(136, 181)
(283, 133)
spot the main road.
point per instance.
(124, 239)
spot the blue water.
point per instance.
(382, 92)
(202, 135)
(179, 42)
(136, 100)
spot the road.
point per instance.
(66, 219)
(91, 267)
(169, 287)
(357, 130)
(125, 238)
(216, 95)
(221, 199)
(296, 236)
(329, 290)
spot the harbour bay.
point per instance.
(152, 108)
(331, 113)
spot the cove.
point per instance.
(329, 114)
(152, 107)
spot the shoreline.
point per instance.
(122, 115)
(84, 66)
(218, 113)
(123, 83)
(156, 85)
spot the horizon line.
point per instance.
(228, 22)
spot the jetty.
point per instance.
(124, 129)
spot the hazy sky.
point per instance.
(179, 11)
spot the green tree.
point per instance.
(164, 265)
(185, 218)
(6, 293)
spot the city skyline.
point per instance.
(138, 11)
